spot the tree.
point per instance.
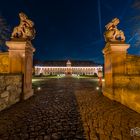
(4, 33)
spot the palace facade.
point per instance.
(68, 68)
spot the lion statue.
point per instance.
(112, 34)
(25, 30)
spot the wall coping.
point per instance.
(10, 74)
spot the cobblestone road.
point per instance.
(68, 109)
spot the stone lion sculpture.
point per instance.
(112, 34)
(25, 30)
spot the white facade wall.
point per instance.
(67, 70)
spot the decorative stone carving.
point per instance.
(25, 30)
(112, 34)
(4, 63)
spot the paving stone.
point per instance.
(68, 109)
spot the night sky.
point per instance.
(73, 29)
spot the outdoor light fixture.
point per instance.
(23, 55)
(97, 88)
(39, 88)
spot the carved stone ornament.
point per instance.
(112, 34)
(25, 30)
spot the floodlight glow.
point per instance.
(39, 88)
(97, 88)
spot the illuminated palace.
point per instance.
(68, 68)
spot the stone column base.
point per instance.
(28, 94)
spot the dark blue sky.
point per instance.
(73, 29)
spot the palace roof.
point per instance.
(62, 63)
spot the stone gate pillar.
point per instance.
(21, 52)
(114, 60)
(21, 58)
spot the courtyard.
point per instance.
(68, 109)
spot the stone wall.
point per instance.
(127, 91)
(122, 76)
(10, 89)
(127, 86)
(132, 65)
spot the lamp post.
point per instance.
(100, 75)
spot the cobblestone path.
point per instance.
(68, 109)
